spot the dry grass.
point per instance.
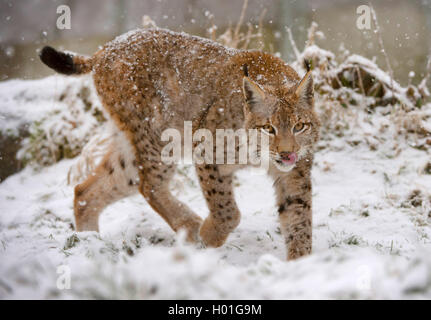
(89, 158)
(233, 37)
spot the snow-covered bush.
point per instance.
(56, 116)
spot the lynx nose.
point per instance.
(288, 157)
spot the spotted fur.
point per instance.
(153, 79)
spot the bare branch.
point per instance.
(312, 33)
(293, 44)
(241, 19)
(382, 47)
(423, 84)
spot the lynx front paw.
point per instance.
(298, 250)
(213, 234)
(85, 221)
(192, 228)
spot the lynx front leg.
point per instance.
(224, 214)
(294, 207)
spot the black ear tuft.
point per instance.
(59, 61)
(307, 64)
(245, 70)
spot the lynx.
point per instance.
(153, 79)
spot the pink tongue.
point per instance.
(292, 158)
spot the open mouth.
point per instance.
(288, 158)
(286, 161)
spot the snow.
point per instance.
(59, 113)
(371, 223)
(26, 101)
(15, 96)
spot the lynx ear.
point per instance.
(252, 93)
(305, 90)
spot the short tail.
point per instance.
(65, 63)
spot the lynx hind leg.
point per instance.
(116, 177)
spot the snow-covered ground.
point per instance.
(371, 232)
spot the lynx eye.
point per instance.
(268, 128)
(300, 127)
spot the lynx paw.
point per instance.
(192, 228)
(296, 251)
(211, 234)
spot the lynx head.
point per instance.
(286, 115)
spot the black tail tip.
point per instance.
(245, 70)
(59, 61)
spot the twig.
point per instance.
(423, 84)
(311, 33)
(428, 74)
(260, 29)
(247, 39)
(212, 30)
(293, 44)
(361, 85)
(375, 89)
(248, 36)
(241, 19)
(388, 65)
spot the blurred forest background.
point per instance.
(25, 26)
